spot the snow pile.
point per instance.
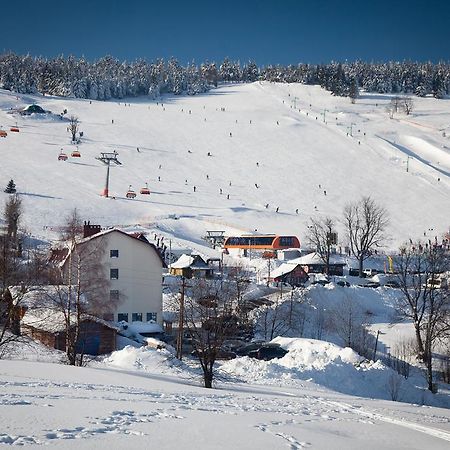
(311, 354)
(331, 366)
(145, 359)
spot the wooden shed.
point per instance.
(97, 337)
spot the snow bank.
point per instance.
(145, 359)
(313, 354)
(331, 366)
(142, 358)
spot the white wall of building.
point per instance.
(139, 279)
(140, 276)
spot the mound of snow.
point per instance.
(331, 366)
(312, 354)
(144, 359)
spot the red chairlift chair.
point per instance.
(145, 190)
(130, 193)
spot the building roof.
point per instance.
(47, 296)
(314, 258)
(108, 231)
(53, 320)
(194, 262)
(284, 269)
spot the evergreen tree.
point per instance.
(11, 188)
(353, 92)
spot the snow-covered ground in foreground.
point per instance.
(315, 158)
(66, 407)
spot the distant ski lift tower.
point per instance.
(108, 158)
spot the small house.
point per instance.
(293, 274)
(313, 263)
(96, 336)
(191, 266)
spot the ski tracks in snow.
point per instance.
(403, 423)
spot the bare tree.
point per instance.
(18, 275)
(407, 105)
(365, 223)
(322, 236)
(73, 228)
(283, 316)
(209, 321)
(350, 322)
(82, 285)
(73, 127)
(411, 268)
(424, 302)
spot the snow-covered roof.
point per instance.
(113, 230)
(194, 262)
(283, 270)
(42, 296)
(314, 258)
(183, 262)
(53, 320)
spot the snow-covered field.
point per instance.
(66, 407)
(299, 136)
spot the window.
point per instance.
(114, 295)
(114, 274)
(136, 317)
(122, 316)
(151, 316)
(286, 241)
(114, 253)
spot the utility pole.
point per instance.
(268, 275)
(170, 253)
(291, 306)
(407, 163)
(181, 321)
(108, 158)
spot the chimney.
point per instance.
(89, 230)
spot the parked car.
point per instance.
(343, 283)
(354, 272)
(372, 284)
(436, 283)
(321, 282)
(244, 350)
(392, 284)
(221, 354)
(370, 272)
(267, 352)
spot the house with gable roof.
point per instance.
(132, 268)
(191, 266)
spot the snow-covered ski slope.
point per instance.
(288, 146)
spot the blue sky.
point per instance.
(266, 31)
